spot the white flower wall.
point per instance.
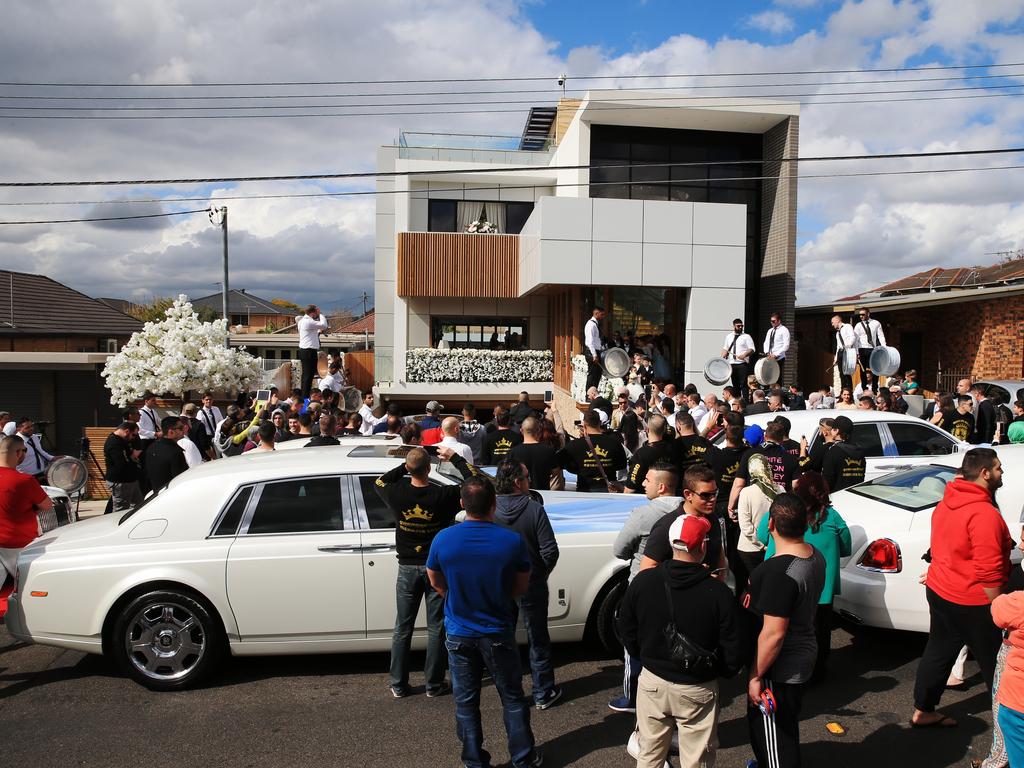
(482, 366)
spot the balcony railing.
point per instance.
(456, 264)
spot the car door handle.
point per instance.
(379, 548)
(340, 548)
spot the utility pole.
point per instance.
(366, 329)
(220, 216)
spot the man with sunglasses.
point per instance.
(869, 335)
(22, 498)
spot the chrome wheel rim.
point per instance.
(165, 641)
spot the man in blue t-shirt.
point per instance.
(480, 568)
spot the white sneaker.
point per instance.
(633, 747)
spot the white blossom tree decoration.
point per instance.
(178, 354)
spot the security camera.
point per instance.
(561, 81)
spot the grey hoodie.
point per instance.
(632, 539)
(521, 513)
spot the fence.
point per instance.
(360, 369)
(946, 380)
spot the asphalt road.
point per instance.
(61, 708)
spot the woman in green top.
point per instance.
(910, 385)
(826, 532)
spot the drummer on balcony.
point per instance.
(845, 339)
(737, 349)
(776, 343)
(594, 346)
(869, 335)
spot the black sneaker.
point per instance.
(621, 704)
(442, 690)
(398, 693)
(552, 696)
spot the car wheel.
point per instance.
(166, 640)
(606, 621)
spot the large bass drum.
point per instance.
(766, 371)
(848, 362)
(615, 362)
(885, 361)
(67, 473)
(718, 371)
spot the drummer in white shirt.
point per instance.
(869, 335)
(845, 339)
(776, 343)
(737, 349)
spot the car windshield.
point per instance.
(913, 489)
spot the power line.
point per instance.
(281, 83)
(508, 169)
(554, 90)
(680, 182)
(517, 110)
(632, 100)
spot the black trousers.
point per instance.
(952, 627)
(308, 358)
(866, 377)
(594, 372)
(775, 738)
(739, 380)
(823, 634)
(782, 371)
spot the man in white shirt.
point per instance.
(738, 349)
(776, 343)
(193, 456)
(450, 430)
(7, 425)
(366, 411)
(593, 346)
(695, 407)
(149, 421)
(310, 325)
(334, 380)
(36, 460)
(869, 335)
(845, 339)
(210, 415)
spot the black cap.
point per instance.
(785, 423)
(844, 425)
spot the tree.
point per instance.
(286, 305)
(157, 308)
(176, 354)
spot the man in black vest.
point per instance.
(593, 345)
(869, 335)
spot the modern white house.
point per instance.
(675, 214)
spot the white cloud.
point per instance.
(773, 22)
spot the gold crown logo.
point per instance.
(417, 513)
(853, 462)
(503, 443)
(600, 452)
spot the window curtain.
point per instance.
(495, 213)
(467, 213)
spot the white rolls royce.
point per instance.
(283, 553)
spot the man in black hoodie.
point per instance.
(517, 510)
(682, 595)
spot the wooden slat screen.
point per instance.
(457, 264)
(360, 369)
(96, 488)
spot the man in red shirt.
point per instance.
(21, 500)
(970, 563)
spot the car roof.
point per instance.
(1007, 384)
(813, 417)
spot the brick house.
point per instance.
(53, 344)
(946, 323)
(248, 313)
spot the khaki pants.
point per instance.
(693, 709)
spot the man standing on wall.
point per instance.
(869, 335)
(737, 349)
(776, 343)
(593, 345)
(845, 339)
(310, 325)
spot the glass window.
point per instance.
(919, 440)
(867, 437)
(516, 215)
(481, 332)
(441, 215)
(299, 506)
(377, 512)
(914, 489)
(228, 525)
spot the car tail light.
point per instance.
(882, 556)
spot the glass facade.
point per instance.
(480, 332)
(442, 216)
(647, 154)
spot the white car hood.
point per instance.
(72, 535)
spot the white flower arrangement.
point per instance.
(178, 354)
(478, 365)
(605, 387)
(482, 227)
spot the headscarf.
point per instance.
(761, 475)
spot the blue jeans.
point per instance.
(411, 586)
(467, 657)
(534, 609)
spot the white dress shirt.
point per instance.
(698, 412)
(592, 337)
(744, 343)
(861, 334)
(36, 459)
(309, 331)
(332, 381)
(149, 424)
(460, 448)
(369, 420)
(776, 342)
(210, 418)
(845, 338)
(705, 421)
(192, 455)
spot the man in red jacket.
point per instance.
(970, 563)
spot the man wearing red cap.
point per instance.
(667, 609)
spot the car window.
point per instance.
(299, 506)
(913, 489)
(228, 525)
(1002, 396)
(867, 437)
(919, 440)
(377, 512)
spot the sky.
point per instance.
(854, 232)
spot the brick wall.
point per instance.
(52, 343)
